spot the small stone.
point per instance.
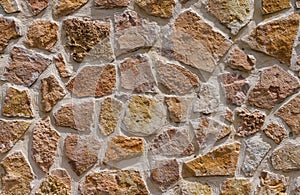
(51, 92)
(286, 157)
(9, 6)
(93, 81)
(44, 144)
(108, 4)
(239, 60)
(143, 116)
(234, 186)
(221, 161)
(25, 67)
(9, 31)
(114, 181)
(272, 6)
(195, 188)
(42, 34)
(136, 74)
(17, 176)
(66, 7)
(163, 9)
(175, 79)
(37, 6)
(109, 115)
(11, 132)
(178, 108)
(271, 183)
(61, 66)
(82, 152)
(229, 116)
(78, 116)
(256, 150)
(296, 186)
(276, 132)
(17, 103)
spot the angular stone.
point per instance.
(82, 152)
(276, 38)
(17, 176)
(9, 31)
(234, 186)
(296, 186)
(275, 86)
(17, 103)
(78, 116)
(271, 183)
(208, 99)
(108, 4)
(228, 115)
(25, 67)
(61, 66)
(221, 161)
(163, 9)
(37, 6)
(9, 6)
(136, 74)
(109, 115)
(256, 150)
(143, 116)
(51, 92)
(196, 44)
(11, 132)
(239, 60)
(44, 144)
(66, 7)
(276, 132)
(195, 188)
(93, 81)
(42, 34)
(175, 79)
(114, 181)
(272, 6)
(178, 108)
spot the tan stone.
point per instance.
(163, 9)
(236, 186)
(111, 3)
(193, 188)
(66, 7)
(271, 6)
(239, 60)
(208, 99)
(37, 6)
(178, 108)
(61, 66)
(9, 6)
(276, 132)
(9, 31)
(271, 183)
(228, 115)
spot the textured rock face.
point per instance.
(178, 108)
(239, 60)
(236, 186)
(37, 6)
(271, 6)
(163, 9)
(276, 132)
(271, 183)
(208, 99)
(61, 66)
(8, 32)
(66, 7)
(110, 4)
(9, 6)
(187, 188)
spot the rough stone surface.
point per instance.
(163, 9)
(9, 6)
(276, 132)
(66, 7)
(239, 60)
(271, 183)
(178, 108)
(9, 31)
(61, 66)
(208, 99)
(188, 188)
(111, 4)
(37, 6)
(271, 6)
(234, 186)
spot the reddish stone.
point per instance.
(8, 31)
(111, 4)
(61, 66)
(239, 60)
(66, 7)
(276, 132)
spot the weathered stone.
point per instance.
(9, 30)
(228, 115)
(276, 38)
(11, 132)
(256, 150)
(286, 157)
(9, 6)
(298, 4)
(57, 182)
(239, 60)
(176, 142)
(234, 186)
(163, 9)
(195, 188)
(221, 161)
(93, 81)
(17, 103)
(111, 4)
(109, 115)
(178, 108)
(296, 186)
(276, 132)
(44, 144)
(51, 92)
(66, 7)
(42, 34)
(78, 116)
(271, 6)
(275, 86)
(61, 66)
(25, 67)
(235, 88)
(17, 176)
(175, 79)
(195, 43)
(143, 116)
(271, 183)
(136, 74)
(208, 99)
(82, 152)
(37, 6)
(233, 14)
(114, 182)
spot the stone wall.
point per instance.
(149, 97)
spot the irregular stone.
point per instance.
(93, 81)
(44, 144)
(276, 132)
(276, 38)
(78, 116)
(51, 92)
(87, 37)
(286, 157)
(297, 4)
(114, 182)
(235, 87)
(9, 31)
(11, 132)
(143, 116)
(178, 108)
(42, 34)
(229, 116)
(109, 115)
(256, 150)
(239, 60)
(108, 4)
(66, 7)
(17, 103)
(272, 6)
(221, 161)
(296, 186)
(25, 67)
(233, 14)
(176, 142)
(234, 186)
(57, 182)
(271, 183)
(9, 6)
(136, 74)
(275, 86)
(61, 66)
(196, 44)
(37, 6)
(175, 79)
(82, 152)
(195, 188)
(17, 176)
(163, 9)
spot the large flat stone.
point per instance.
(66, 7)
(163, 9)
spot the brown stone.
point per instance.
(9, 6)
(9, 31)
(234, 186)
(275, 86)
(25, 67)
(82, 152)
(228, 115)
(17, 103)
(51, 93)
(66, 7)
(163, 9)
(110, 3)
(178, 108)
(239, 60)
(195, 188)
(44, 144)
(276, 132)
(271, 183)
(221, 161)
(17, 176)
(271, 6)
(61, 66)
(37, 6)
(11, 132)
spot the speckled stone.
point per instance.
(108, 4)
(9, 6)
(37, 6)
(66, 7)
(195, 188)
(61, 66)
(239, 60)
(271, 183)
(9, 31)
(235, 186)
(276, 132)
(178, 108)
(208, 99)
(163, 9)
(272, 6)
